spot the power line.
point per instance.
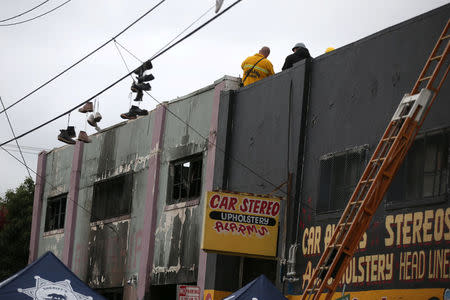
(117, 81)
(25, 12)
(82, 59)
(14, 135)
(34, 18)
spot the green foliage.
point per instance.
(15, 235)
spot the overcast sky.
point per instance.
(33, 52)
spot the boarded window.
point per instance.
(339, 175)
(56, 212)
(185, 181)
(112, 197)
(424, 172)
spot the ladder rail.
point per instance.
(375, 180)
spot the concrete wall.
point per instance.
(57, 179)
(107, 253)
(179, 226)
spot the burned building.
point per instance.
(125, 212)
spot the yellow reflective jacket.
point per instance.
(263, 69)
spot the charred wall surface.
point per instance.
(179, 217)
(258, 141)
(354, 93)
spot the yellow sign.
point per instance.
(241, 224)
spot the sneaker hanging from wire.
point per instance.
(65, 138)
(71, 131)
(91, 120)
(139, 87)
(83, 137)
(139, 96)
(97, 117)
(138, 111)
(87, 107)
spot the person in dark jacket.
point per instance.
(300, 53)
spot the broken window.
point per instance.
(56, 212)
(424, 172)
(112, 197)
(339, 175)
(185, 179)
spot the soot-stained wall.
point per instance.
(258, 140)
(354, 93)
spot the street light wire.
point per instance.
(38, 16)
(25, 12)
(82, 59)
(115, 82)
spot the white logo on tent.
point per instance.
(47, 290)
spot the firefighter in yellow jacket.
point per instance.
(257, 67)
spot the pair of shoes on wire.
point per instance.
(67, 135)
(93, 119)
(133, 113)
(144, 67)
(87, 107)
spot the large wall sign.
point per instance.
(241, 224)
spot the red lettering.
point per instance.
(269, 207)
(233, 227)
(243, 207)
(212, 201)
(219, 226)
(241, 229)
(262, 231)
(233, 202)
(251, 205)
(224, 203)
(256, 206)
(263, 207)
(251, 228)
(275, 209)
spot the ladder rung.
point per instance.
(425, 78)
(378, 159)
(324, 268)
(345, 224)
(357, 202)
(366, 181)
(445, 37)
(436, 57)
(389, 139)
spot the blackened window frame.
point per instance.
(193, 188)
(99, 213)
(402, 193)
(331, 180)
(55, 212)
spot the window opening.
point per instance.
(112, 197)
(56, 212)
(186, 179)
(339, 175)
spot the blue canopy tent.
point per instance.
(259, 289)
(46, 279)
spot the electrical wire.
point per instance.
(192, 24)
(38, 16)
(82, 59)
(14, 135)
(25, 12)
(116, 82)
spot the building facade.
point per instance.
(125, 211)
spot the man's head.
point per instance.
(298, 46)
(265, 51)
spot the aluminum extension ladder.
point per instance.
(379, 172)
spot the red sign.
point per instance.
(188, 292)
